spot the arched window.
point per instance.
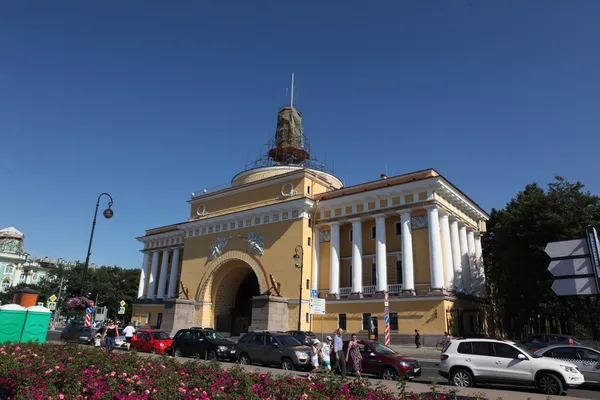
(10, 268)
(5, 285)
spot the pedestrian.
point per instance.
(128, 332)
(314, 355)
(326, 353)
(354, 352)
(98, 340)
(417, 338)
(338, 349)
(110, 333)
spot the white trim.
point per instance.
(373, 256)
(391, 300)
(161, 236)
(476, 212)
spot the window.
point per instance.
(308, 189)
(310, 223)
(308, 283)
(310, 241)
(506, 351)
(244, 338)
(465, 348)
(350, 275)
(148, 318)
(366, 320)
(35, 276)
(589, 355)
(482, 348)
(257, 340)
(10, 268)
(373, 274)
(394, 321)
(350, 237)
(568, 353)
(398, 228)
(399, 272)
(373, 232)
(307, 317)
(342, 321)
(187, 335)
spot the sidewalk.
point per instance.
(422, 354)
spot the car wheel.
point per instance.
(153, 350)
(389, 374)
(549, 384)
(211, 355)
(461, 378)
(177, 353)
(287, 364)
(244, 359)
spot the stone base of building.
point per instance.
(269, 313)
(178, 314)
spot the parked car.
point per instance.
(85, 334)
(211, 345)
(151, 341)
(273, 348)
(585, 358)
(541, 340)
(305, 337)
(385, 363)
(203, 328)
(468, 362)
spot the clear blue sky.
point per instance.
(152, 100)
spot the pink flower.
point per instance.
(113, 373)
(61, 396)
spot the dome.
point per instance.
(258, 174)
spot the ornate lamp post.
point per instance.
(299, 258)
(108, 213)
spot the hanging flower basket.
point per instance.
(79, 303)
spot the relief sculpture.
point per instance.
(216, 249)
(254, 242)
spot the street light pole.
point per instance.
(299, 264)
(108, 213)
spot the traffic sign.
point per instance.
(571, 266)
(121, 310)
(41, 304)
(575, 286)
(314, 294)
(386, 303)
(386, 319)
(51, 305)
(317, 306)
(89, 310)
(52, 298)
(386, 310)
(567, 248)
(122, 303)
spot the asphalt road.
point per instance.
(430, 374)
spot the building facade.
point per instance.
(249, 255)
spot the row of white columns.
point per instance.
(150, 272)
(454, 255)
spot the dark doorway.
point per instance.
(241, 313)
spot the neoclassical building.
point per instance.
(286, 227)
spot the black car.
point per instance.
(85, 334)
(305, 337)
(540, 340)
(211, 345)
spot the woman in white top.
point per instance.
(128, 332)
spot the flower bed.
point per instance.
(32, 371)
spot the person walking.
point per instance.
(338, 349)
(326, 353)
(314, 357)
(128, 332)
(110, 333)
(354, 352)
(417, 338)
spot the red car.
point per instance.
(380, 360)
(151, 341)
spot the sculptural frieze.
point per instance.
(216, 249)
(254, 242)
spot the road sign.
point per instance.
(575, 286)
(386, 310)
(317, 306)
(51, 305)
(89, 310)
(386, 303)
(567, 248)
(122, 303)
(314, 294)
(570, 267)
(41, 304)
(121, 310)
(386, 319)
(52, 298)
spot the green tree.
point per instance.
(515, 261)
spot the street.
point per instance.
(428, 359)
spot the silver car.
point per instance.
(586, 359)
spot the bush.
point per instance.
(33, 371)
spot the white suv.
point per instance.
(466, 362)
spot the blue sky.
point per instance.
(152, 100)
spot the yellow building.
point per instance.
(251, 254)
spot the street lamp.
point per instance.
(108, 213)
(299, 258)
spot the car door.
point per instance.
(484, 360)
(510, 368)
(256, 349)
(371, 362)
(273, 351)
(185, 343)
(590, 364)
(200, 344)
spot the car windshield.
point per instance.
(309, 333)
(213, 335)
(525, 350)
(383, 349)
(160, 335)
(288, 341)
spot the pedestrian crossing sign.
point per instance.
(121, 310)
(41, 304)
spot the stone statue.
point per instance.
(254, 242)
(216, 249)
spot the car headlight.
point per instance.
(222, 348)
(301, 354)
(569, 369)
(403, 364)
(162, 345)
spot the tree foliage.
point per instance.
(516, 263)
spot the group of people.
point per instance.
(331, 354)
(111, 333)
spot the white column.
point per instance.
(357, 256)
(447, 251)
(151, 294)
(174, 273)
(464, 254)
(142, 285)
(436, 265)
(17, 278)
(28, 278)
(408, 268)
(456, 257)
(162, 280)
(316, 255)
(481, 270)
(334, 263)
(380, 254)
(472, 260)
